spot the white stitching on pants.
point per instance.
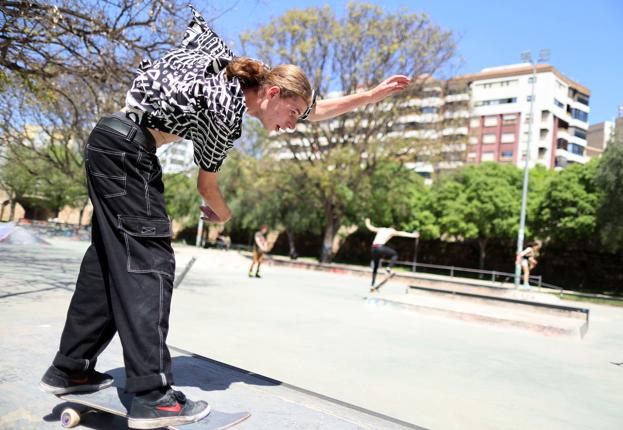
(160, 323)
(145, 181)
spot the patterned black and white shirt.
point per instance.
(186, 93)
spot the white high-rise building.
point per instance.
(176, 157)
(500, 116)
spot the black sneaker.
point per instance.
(172, 409)
(57, 382)
(257, 275)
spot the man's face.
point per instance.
(280, 113)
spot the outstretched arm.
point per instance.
(330, 108)
(413, 235)
(370, 227)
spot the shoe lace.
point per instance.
(178, 396)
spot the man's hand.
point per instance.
(391, 85)
(209, 214)
(216, 207)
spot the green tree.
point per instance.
(268, 191)
(478, 202)
(16, 181)
(180, 195)
(538, 184)
(609, 180)
(568, 211)
(357, 51)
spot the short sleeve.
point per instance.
(199, 36)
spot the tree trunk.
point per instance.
(12, 212)
(332, 225)
(84, 207)
(482, 242)
(82, 214)
(293, 254)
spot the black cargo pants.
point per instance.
(126, 277)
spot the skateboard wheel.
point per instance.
(70, 418)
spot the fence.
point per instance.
(492, 275)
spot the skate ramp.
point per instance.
(12, 234)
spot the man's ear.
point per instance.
(273, 91)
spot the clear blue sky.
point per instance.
(585, 36)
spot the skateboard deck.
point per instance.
(383, 282)
(115, 401)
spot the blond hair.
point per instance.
(290, 79)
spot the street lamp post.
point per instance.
(527, 57)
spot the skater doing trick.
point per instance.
(381, 250)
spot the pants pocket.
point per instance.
(148, 244)
(106, 171)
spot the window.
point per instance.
(530, 98)
(473, 140)
(579, 133)
(471, 156)
(531, 80)
(542, 152)
(509, 119)
(580, 115)
(429, 109)
(496, 102)
(508, 137)
(491, 121)
(489, 138)
(559, 104)
(488, 156)
(575, 149)
(561, 144)
(506, 154)
(474, 122)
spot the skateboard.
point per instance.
(383, 282)
(114, 401)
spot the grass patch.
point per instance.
(618, 303)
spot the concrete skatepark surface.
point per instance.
(315, 330)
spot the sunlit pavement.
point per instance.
(314, 330)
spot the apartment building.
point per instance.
(499, 126)
(599, 135)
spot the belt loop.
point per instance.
(131, 134)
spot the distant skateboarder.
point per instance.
(380, 250)
(260, 247)
(527, 259)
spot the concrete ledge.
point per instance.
(567, 330)
(569, 310)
